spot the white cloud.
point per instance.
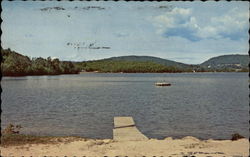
(233, 24)
(207, 32)
(177, 16)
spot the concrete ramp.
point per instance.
(125, 130)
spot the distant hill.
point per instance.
(227, 62)
(157, 60)
(117, 66)
(15, 64)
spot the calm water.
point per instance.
(205, 105)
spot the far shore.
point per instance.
(92, 72)
(77, 146)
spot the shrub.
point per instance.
(236, 136)
(12, 129)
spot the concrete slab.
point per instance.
(125, 130)
(123, 122)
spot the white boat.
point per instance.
(162, 84)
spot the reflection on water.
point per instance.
(205, 105)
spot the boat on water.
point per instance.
(162, 84)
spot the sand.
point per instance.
(188, 146)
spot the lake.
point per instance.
(204, 105)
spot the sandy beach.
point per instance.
(187, 146)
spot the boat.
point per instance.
(162, 84)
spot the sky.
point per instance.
(187, 32)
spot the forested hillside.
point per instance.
(228, 63)
(150, 59)
(127, 66)
(15, 64)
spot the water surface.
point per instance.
(204, 105)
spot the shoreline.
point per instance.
(210, 72)
(78, 146)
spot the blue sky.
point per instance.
(188, 32)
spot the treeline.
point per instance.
(126, 67)
(224, 69)
(115, 66)
(15, 64)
